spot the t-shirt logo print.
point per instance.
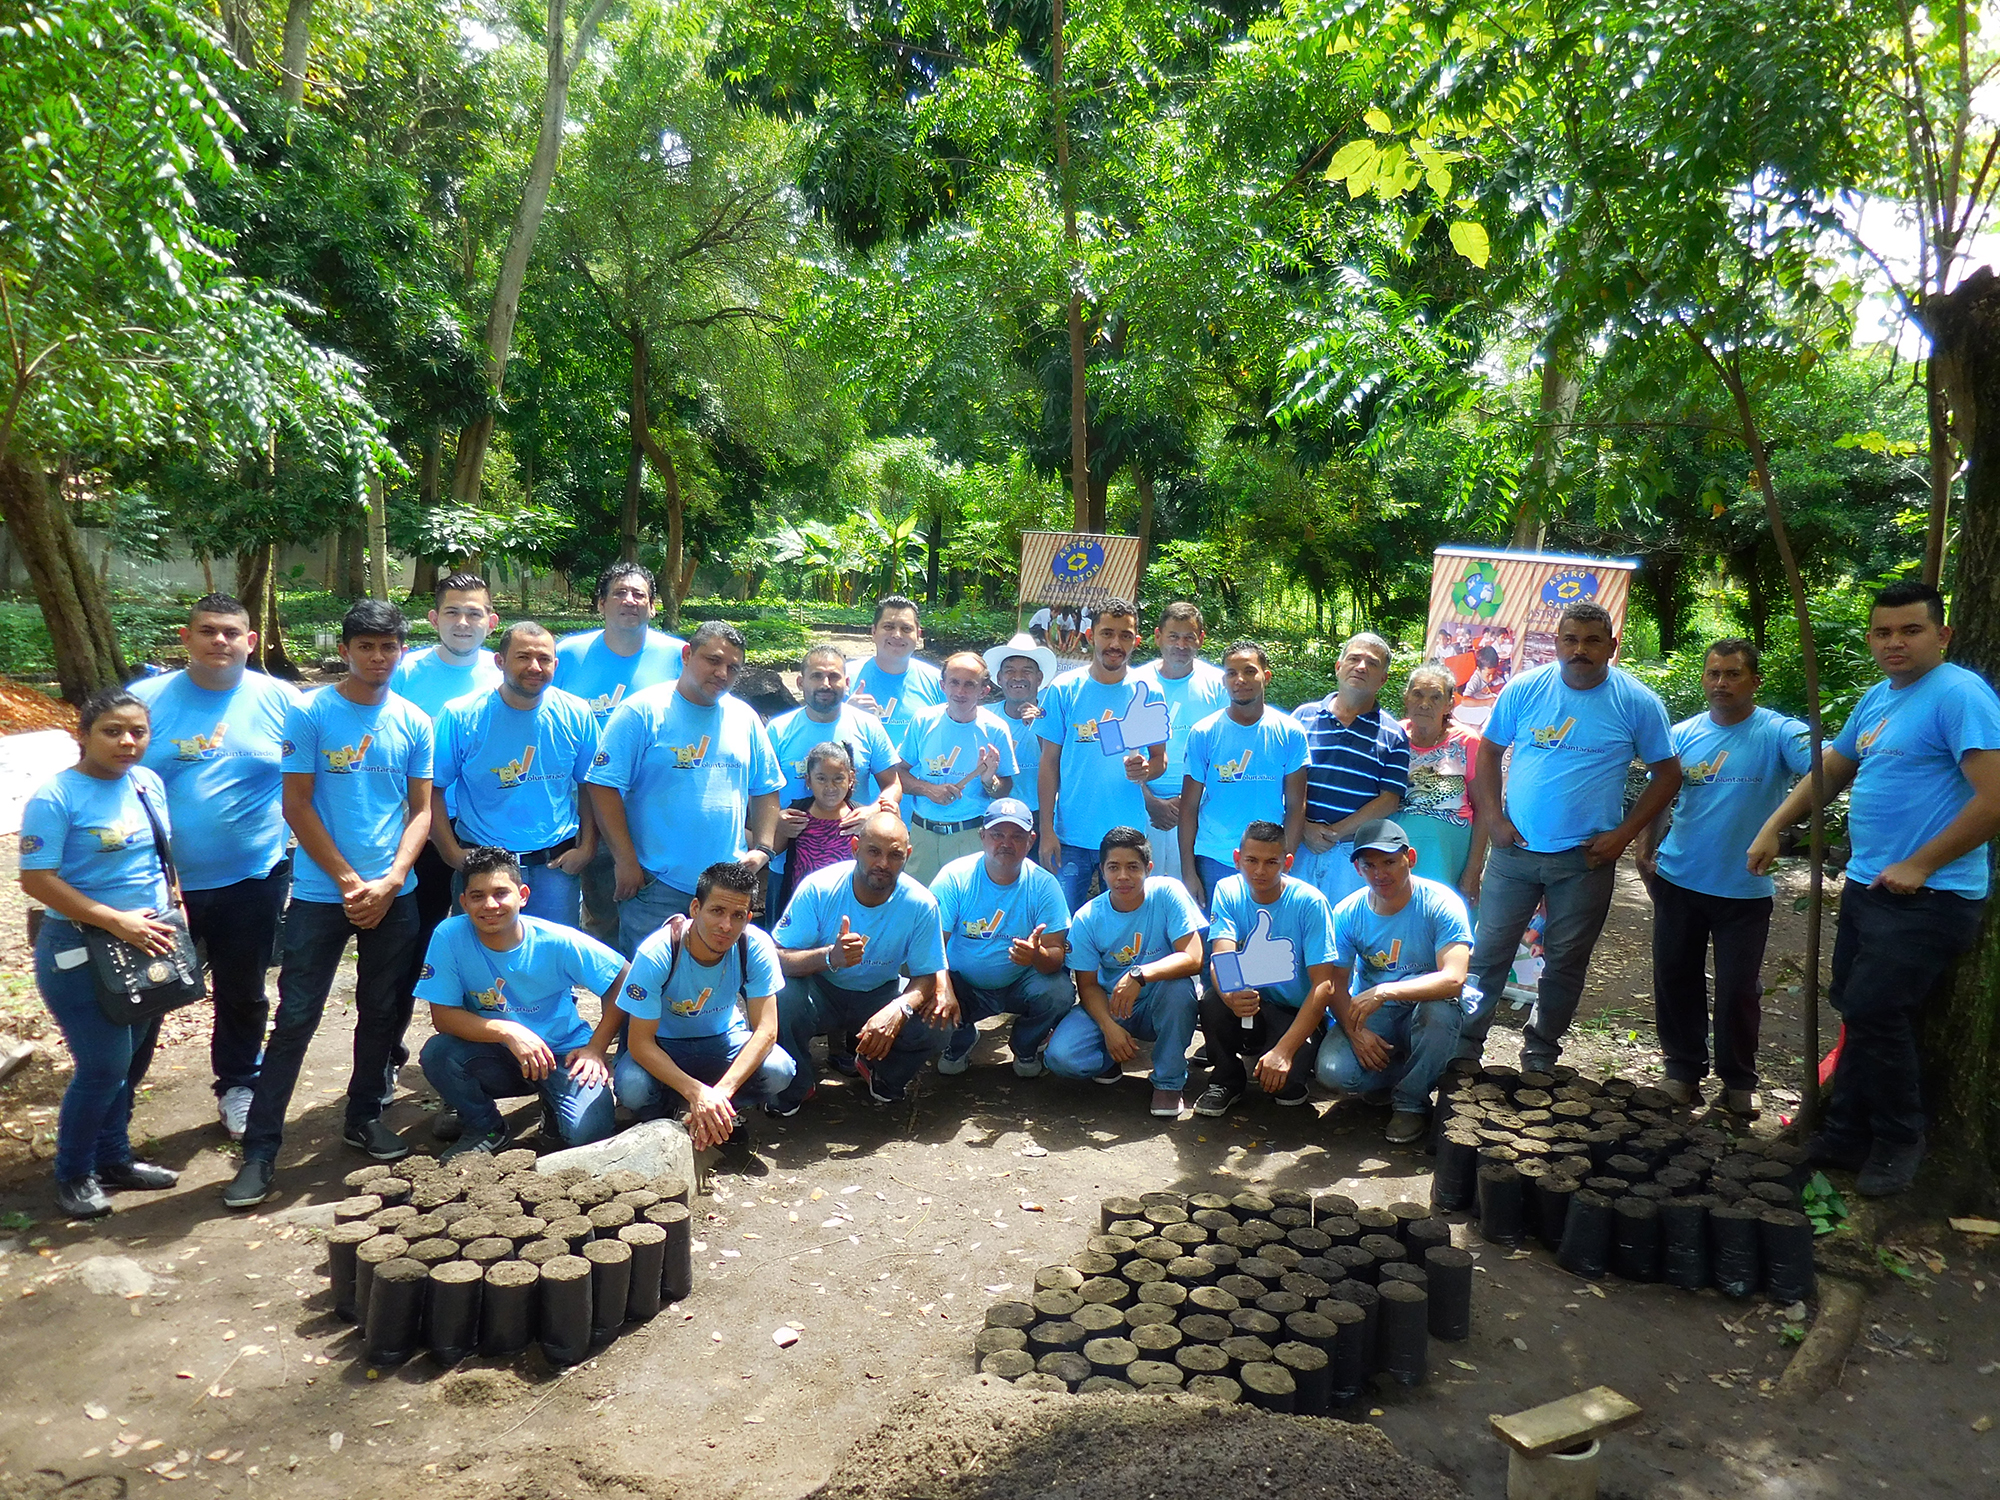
(202, 746)
(1552, 737)
(603, 703)
(1387, 960)
(939, 765)
(689, 1007)
(1232, 770)
(1086, 732)
(689, 757)
(344, 760)
(490, 999)
(516, 770)
(979, 927)
(1863, 741)
(1706, 772)
(1127, 954)
(121, 835)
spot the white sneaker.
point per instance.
(234, 1107)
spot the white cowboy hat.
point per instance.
(1021, 645)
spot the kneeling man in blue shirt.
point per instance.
(1402, 946)
(499, 986)
(702, 996)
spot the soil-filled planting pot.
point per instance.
(341, 1242)
(395, 1311)
(1312, 1377)
(451, 1311)
(1450, 1287)
(369, 1256)
(1405, 1332)
(610, 1287)
(1735, 1261)
(1587, 1235)
(563, 1310)
(677, 1264)
(1786, 1240)
(507, 1308)
(648, 1243)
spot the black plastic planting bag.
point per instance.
(1735, 1260)
(1586, 1241)
(1684, 1243)
(1786, 1240)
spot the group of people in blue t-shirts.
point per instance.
(1116, 856)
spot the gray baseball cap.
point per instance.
(1380, 833)
(1009, 810)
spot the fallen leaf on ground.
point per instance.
(1975, 1226)
(95, 1412)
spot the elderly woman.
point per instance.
(88, 854)
(1437, 809)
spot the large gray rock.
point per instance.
(115, 1276)
(658, 1148)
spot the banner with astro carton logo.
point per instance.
(1494, 614)
(1071, 573)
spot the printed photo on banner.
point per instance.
(1064, 576)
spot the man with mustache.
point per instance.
(1575, 726)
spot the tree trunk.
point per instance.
(72, 598)
(679, 566)
(1079, 386)
(933, 541)
(237, 30)
(1559, 393)
(430, 480)
(271, 630)
(378, 537)
(562, 60)
(1962, 1035)
(1943, 462)
(292, 59)
(354, 562)
(1142, 479)
(253, 587)
(638, 424)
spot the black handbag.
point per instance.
(134, 986)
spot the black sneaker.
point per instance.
(777, 1109)
(142, 1175)
(377, 1139)
(82, 1198)
(251, 1185)
(1216, 1099)
(1889, 1169)
(1294, 1093)
(487, 1144)
(875, 1094)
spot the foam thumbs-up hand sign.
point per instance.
(847, 947)
(1264, 959)
(1145, 722)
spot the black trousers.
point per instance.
(1891, 953)
(1685, 922)
(1229, 1041)
(237, 926)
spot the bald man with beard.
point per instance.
(863, 954)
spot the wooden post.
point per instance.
(378, 537)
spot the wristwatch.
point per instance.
(766, 850)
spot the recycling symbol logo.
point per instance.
(1478, 592)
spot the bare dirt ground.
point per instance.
(881, 1236)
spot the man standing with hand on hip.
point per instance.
(358, 795)
(1922, 752)
(1575, 725)
(1737, 763)
(218, 738)
(1085, 793)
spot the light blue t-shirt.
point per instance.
(1566, 783)
(1111, 941)
(515, 771)
(1375, 949)
(794, 736)
(1242, 770)
(95, 835)
(699, 1000)
(1095, 796)
(902, 932)
(1732, 778)
(1300, 916)
(920, 685)
(218, 755)
(529, 984)
(1027, 760)
(429, 681)
(687, 774)
(603, 679)
(982, 918)
(362, 759)
(939, 748)
(1908, 745)
(1190, 699)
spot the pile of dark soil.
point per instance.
(987, 1440)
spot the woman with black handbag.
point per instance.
(94, 852)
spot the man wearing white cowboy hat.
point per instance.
(1019, 668)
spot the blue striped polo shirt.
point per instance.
(1347, 764)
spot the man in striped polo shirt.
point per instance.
(1357, 767)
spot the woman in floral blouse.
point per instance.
(1437, 809)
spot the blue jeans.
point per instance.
(1422, 1038)
(237, 926)
(469, 1076)
(1038, 1000)
(316, 934)
(1211, 871)
(1332, 874)
(1075, 873)
(815, 1006)
(552, 895)
(642, 913)
(92, 1130)
(1165, 1015)
(703, 1057)
(1516, 881)
(598, 885)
